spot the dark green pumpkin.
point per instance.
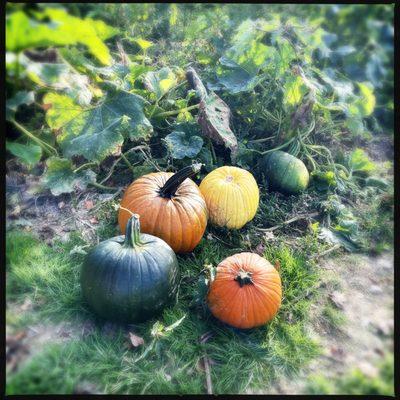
(285, 172)
(130, 278)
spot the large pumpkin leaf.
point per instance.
(97, 132)
(60, 77)
(29, 154)
(60, 177)
(160, 82)
(183, 142)
(22, 97)
(213, 118)
(23, 32)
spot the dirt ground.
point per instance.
(366, 298)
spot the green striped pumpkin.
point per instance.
(284, 172)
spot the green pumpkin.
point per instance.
(130, 278)
(285, 172)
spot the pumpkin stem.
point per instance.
(172, 184)
(132, 233)
(244, 278)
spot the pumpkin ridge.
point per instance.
(261, 299)
(189, 222)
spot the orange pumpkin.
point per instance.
(170, 206)
(246, 291)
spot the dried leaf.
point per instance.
(88, 204)
(213, 118)
(260, 249)
(205, 337)
(277, 265)
(196, 83)
(135, 340)
(94, 220)
(338, 299)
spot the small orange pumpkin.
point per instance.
(170, 206)
(246, 291)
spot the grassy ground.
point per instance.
(240, 360)
(95, 351)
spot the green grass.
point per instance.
(241, 360)
(357, 383)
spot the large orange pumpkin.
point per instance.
(170, 206)
(246, 291)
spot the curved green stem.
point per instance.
(132, 232)
(100, 186)
(174, 112)
(127, 162)
(45, 146)
(83, 166)
(172, 184)
(282, 146)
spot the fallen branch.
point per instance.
(315, 256)
(289, 221)
(207, 369)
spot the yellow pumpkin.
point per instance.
(231, 195)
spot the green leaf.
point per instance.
(136, 70)
(367, 101)
(63, 29)
(144, 44)
(60, 77)
(183, 142)
(160, 82)
(359, 162)
(294, 90)
(173, 9)
(235, 78)
(355, 125)
(60, 178)
(97, 132)
(22, 97)
(29, 154)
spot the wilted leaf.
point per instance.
(97, 132)
(60, 178)
(88, 204)
(160, 82)
(79, 250)
(20, 98)
(29, 154)
(183, 142)
(335, 237)
(135, 340)
(213, 118)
